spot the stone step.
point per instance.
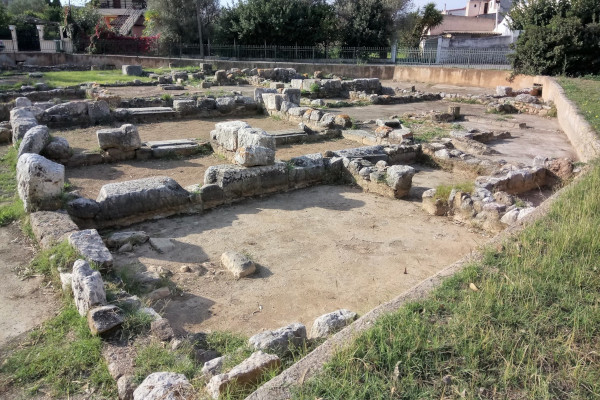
(177, 147)
(150, 110)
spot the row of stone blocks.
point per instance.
(338, 87)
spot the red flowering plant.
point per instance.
(107, 41)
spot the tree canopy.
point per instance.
(177, 20)
(559, 36)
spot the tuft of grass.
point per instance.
(57, 357)
(442, 192)
(48, 262)
(430, 134)
(315, 87)
(11, 206)
(225, 342)
(586, 94)
(73, 78)
(166, 97)
(154, 357)
(530, 330)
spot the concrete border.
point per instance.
(279, 388)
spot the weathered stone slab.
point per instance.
(90, 245)
(226, 134)
(88, 287)
(306, 170)
(279, 340)
(147, 195)
(102, 320)
(34, 140)
(185, 107)
(39, 182)
(118, 239)
(164, 386)
(50, 228)
(83, 208)
(248, 372)
(238, 264)
(21, 121)
(58, 149)
(23, 102)
(255, 137)
(251, 156)
(238, 182)
(332, 322)
(132, 70)
(170, 148)
(399, 178)
(272, 101)
(225, 104)
(125, 138)
(162, 245)
(370, 153)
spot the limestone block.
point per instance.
(34, 140)
(185, 106)
(71, 109)
(248, 372)
(332, 322)
(433, 205)
(58, 149)
(286, 106)
(258, 92)
(164, 386)
(22, 102)
(298, 111)
(504, 91)
(102, 320)
(161, 329)
(125, 138)
(272, 101)
(238, 264)
(399, 178)
(252, 156)
(226, 134)
(154, 194)
(255, 137)
(292, 95)
(206, 103)
(39, 181)
(279, 340)
(118, 239)
(90, 245)
(237, 182)
(21, 121)
(50, 227)
(98, 111)
(213, 367)
(132, 70)
(83, 208)
(225, 104)
(88, 287)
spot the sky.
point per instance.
(417, 3)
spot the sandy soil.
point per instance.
(186, 171)
(156, 91)
(350, 251)
(24, 304)
(86, 139)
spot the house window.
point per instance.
(474, 5)
(485, 8)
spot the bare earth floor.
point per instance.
(319, 249)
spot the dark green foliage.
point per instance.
(280, 22)
(364, 23)
(177, 20)
(561, 37)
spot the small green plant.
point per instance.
(155, 357)
(275, 117)
(47, 262)
(315, 87)
(552, 112)
(166, 97)
(442, 192)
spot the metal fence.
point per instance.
(463, 58)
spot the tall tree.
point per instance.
(429, 18)
(281, 22)
(181, 20)
(367, 23)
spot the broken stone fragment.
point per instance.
(118, 239)
(213, 367)
(252, 156)
(159, 294)
(35, 140)
(248, 372)
(399, 178)
(164, 386)
(330, 323)
(104, 319)
(162, 245)
(88, 287)
(279, 340)
(125, 138)
(238, 264)
(40, 182)
(126, 386)
(161, 329)
(90, 245)
(433, 205)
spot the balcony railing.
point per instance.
(122, 4)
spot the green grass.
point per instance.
(155, 357)
(531, 330)
(586, 95)
(58, 357)
(47, 262)
(430, 133)
(442, 192)
(11, 206)
(73, 78)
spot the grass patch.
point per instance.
(154, 357)
(464, 100)
(585, 93)
(530, 331)
(429, 134)
(58, 357)
(442, 192)
(11, 206)
(48, 262)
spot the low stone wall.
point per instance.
(580, 133)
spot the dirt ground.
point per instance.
(350, 251)
(186, 171)
(86, 139)
(156, 91)
(24, 304)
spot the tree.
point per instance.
(559, 37)
(179, 20)
(429, 18)
(367, 23)
(280, 22)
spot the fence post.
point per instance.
(313, 56)
(13, 35)
(394, 51)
